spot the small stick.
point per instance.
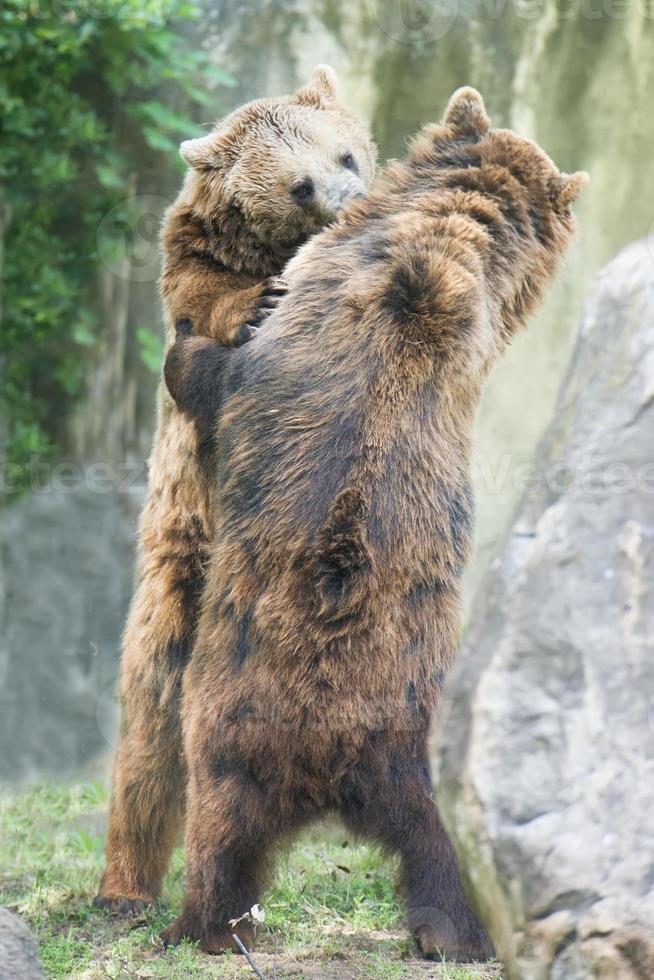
(262, 976)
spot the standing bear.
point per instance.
(344, 514)
(271, 174)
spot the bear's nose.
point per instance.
(340, 193)
(303, 191)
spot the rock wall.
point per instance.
(66, 560)
(547, 730)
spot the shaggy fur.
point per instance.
(344, 507)
(272, 174)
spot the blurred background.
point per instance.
(95, 99)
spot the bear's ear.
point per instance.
(566, 188)
(197, 153)
(321, 87)
(206, 152)
(466, 113)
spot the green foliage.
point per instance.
(93, 93)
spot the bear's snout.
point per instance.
(338, 193)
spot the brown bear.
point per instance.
(270, 175)
(344, 516)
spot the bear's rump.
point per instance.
(307, 757)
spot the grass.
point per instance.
(331, 914)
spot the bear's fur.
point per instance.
(344, 507)
(344, 517)
(237, 220)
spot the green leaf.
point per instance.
(109, 177)
(199, 95)
(158, 141)
(214, 73)
(151, 349)
(83, 334)
(163, 117)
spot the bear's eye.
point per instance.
(303, 191)
(348, 161)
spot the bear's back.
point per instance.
(326, 407)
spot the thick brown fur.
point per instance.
(332, 604)
(236, 222)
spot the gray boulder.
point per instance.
(18, 957)
(66, 559)
(546, 759)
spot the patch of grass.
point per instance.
(332, 911)
(325, 885)
(383, 969)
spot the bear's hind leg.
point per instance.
(146, 815)
(147, 800)
(232, 828)
(395, 808)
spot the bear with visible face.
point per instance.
(271, 174)
(332, 605)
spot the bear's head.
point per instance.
(288, 165)
(538, 180)
(527, 198)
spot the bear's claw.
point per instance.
(433, 946)
(220, 941)
(121, 905)
(274, 289)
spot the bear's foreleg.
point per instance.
(236, 315)
(396, 809)
(194, 374)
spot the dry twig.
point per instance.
(253, 916)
